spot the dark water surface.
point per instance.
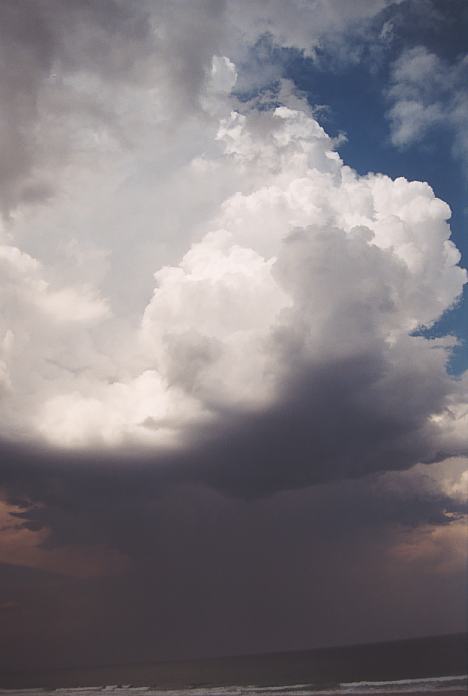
(353, 669)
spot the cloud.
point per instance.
(292, 311)
(428, 92)
(203, 306)
(208, 270)
(23, 542)
(73, 75)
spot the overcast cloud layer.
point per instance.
(197, 291)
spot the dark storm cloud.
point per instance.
(332, 423)
(328, 427)
(97, 498)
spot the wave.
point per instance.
(432, 684)
(426, 684)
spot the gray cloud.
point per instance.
(42, 42)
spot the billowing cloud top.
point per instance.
(185, 271)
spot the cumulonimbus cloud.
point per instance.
(210, 277)
(201, 305)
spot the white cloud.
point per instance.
(294, 244)
(302, 25)
(426, 92)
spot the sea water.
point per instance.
(429, 665)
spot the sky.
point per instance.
(233, 334)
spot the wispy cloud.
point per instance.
(427, 92)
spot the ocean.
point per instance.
(437, 665)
